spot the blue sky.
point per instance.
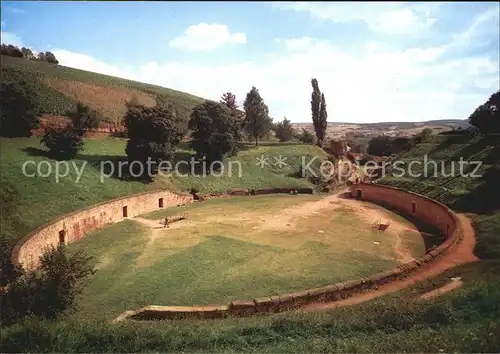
(391, 61)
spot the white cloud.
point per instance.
(207, 37)
(386, 17)
(485, 25)
(11, 38)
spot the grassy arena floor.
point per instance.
(227, 249)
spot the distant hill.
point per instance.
(60, 87)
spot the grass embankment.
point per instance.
(229, 249)
(60, 87)
(28, 202)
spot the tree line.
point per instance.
(26, 53)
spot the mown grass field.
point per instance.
(230, 249)
(465, 320)
(60, 87)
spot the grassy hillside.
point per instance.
(465, 320)
(60, 87)
(28, 202)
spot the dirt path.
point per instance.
(460, 253)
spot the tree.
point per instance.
(47, 291)
(214, 132)
(400, 144)
(257, 122)
(41, 56)
(486, 117)
(422, 136)
(84, 118)
(27, 53)
(19, 113)
(229, 100)
(284, 130)
(319, 114)
(8, 271)
(380, 146)
(153, 133)
(323, 120)
(63, 276)
(63, 142)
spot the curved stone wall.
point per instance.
(421, 207)
(73, 226)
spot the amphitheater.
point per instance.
(455, 230)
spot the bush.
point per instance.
(8, 272)
(63, 143)
(306, 137)
(284, 130)
(19, 113)
(380, 146)
(153, 134)
(48, 100)
(84, 118)
(214, 131)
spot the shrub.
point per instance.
(284, 130)
(63, 143)
(306, 137)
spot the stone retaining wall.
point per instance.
(421, 207)
(70, 227)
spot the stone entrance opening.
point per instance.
(62, 238)
(413, 207)
(125, 211)
(160, 203)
